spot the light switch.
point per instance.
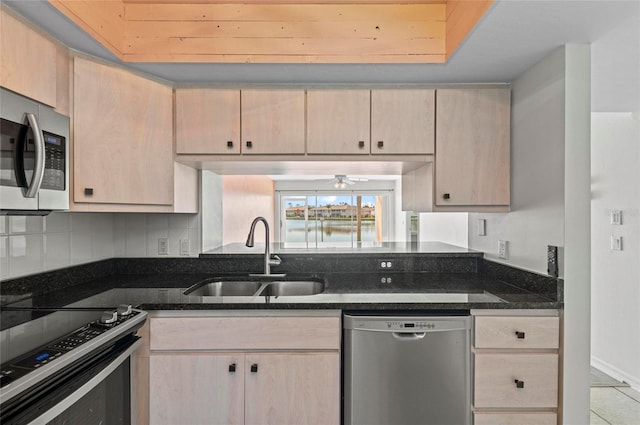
(482, 227)
(616, 243)
(616, 217)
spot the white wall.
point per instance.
(31, 245)
(450, 228)
(577, 236)
(550, 197)
(615, 288)
(400, 230)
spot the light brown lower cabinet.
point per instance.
(240, 370)
(256, 388)
(292, 389)
(516, 368)
(196, 389)
(521, 418)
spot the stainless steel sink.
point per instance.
(221, 287)
(293, 288)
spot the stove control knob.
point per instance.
(124, 310)
(108, 317)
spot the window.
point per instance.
(333, 219)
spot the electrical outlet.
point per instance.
(163, 246)
(184, 247)
(616, 243)
(503, 249)
(385, 264)
(552, 260)
(482, 227)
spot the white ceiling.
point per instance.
(512, 36)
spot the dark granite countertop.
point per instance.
(347, 291)
(416, 283)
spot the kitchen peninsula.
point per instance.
(426, 279)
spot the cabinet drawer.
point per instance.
(517, 332)
(496, 375)
(244, 333)
(513, 418)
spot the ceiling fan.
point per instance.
(342, 180)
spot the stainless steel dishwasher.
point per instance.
(407, 370)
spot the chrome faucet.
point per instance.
(269, 259)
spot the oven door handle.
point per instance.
(38, 168)
(60, 407)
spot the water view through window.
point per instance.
(332, 220)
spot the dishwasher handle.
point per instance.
(408, 336)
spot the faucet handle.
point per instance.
(275, 260)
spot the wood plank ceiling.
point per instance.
(277, 31)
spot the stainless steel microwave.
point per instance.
(34, 157)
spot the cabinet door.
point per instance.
(190, 389)
(402, 121)
(123, 150)
(27, 61)
(272, 121)
(207, 121)
(472, 147)
(516, 380)
(338, 121)
(292, 389)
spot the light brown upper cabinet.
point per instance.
(338, 122)
(27, 61)
(207, 121)
(402, 121)
(123, 151)
(472, 147)
(273, 121)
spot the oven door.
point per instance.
(93, 393)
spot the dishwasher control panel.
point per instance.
(410, 325)
(405, 324)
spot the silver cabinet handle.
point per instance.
(38, 169)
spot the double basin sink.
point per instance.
(253, 287)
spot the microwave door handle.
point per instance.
(38, 169)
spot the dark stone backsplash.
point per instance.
(532, 282)
(438, 264)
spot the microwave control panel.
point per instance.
(54, 162)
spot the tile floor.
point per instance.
(613, 405)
